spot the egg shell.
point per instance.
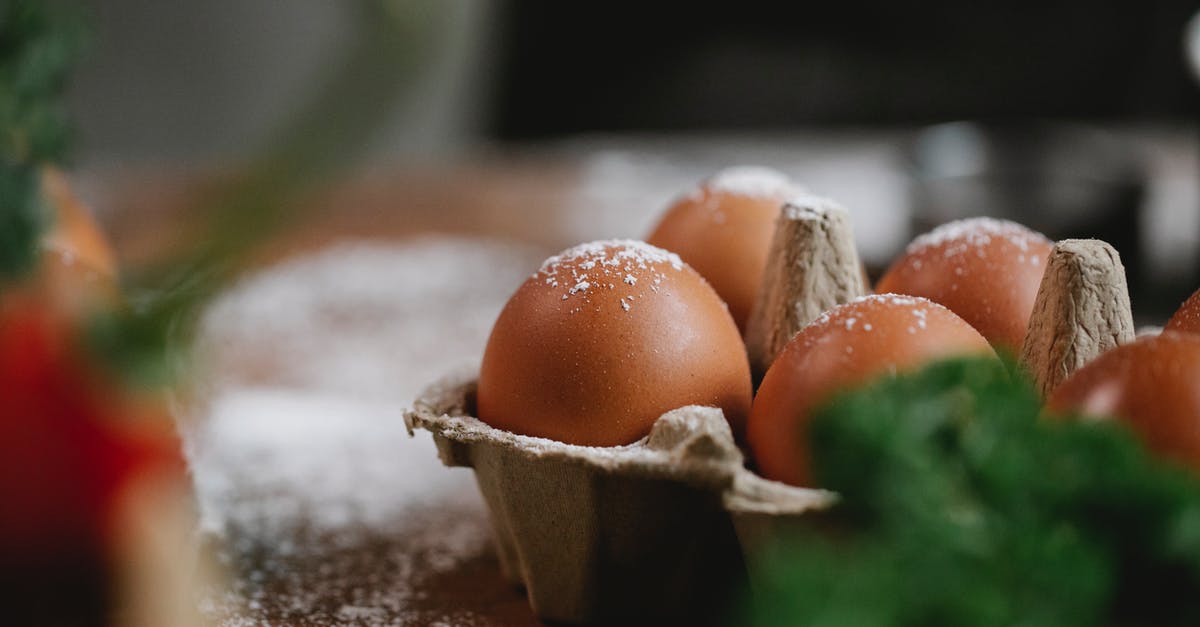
(1152, 384)
(73, 287)
(604, 339)
(1187, 317)
(848, 345)
(723, 229)
(74, 232)
(985, 270)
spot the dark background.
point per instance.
(195, 83)
(570, 67)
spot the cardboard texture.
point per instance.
(1082, 310)
(616, 534)
(660, 529)
(812, 266)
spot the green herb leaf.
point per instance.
(146, 340)
(963, 505)
(39, 41)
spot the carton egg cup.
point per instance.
(663, 527)
(629, 532)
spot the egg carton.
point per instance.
(663, 527)
(655, 529)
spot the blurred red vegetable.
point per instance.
(71, 438)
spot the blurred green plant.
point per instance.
(148, 339)
(145, 339)
(39, 42)
(961, 505)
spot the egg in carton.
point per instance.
(664, 527)
(1081, 310)
(599, 533)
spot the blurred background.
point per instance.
(516, 70)
(1075, 117)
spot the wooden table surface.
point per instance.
(380, 576)
(430, 562)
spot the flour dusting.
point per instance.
(323, 507)
(851, 316)
(810, 207)
(972, 234)
(751, 181)
(608, 264)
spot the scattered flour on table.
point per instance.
(372, 320)
(325, 509)
(268, 459)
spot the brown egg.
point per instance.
(723, 229)
(605, 338)
(848, 345)
(987, 271)
(1153, 384)
(74, 232)
(1187, 317)
(72, 286)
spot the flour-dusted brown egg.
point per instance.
(985, 270)
(1187, 317)
(848, 345)
(605, 338)
(1152, 384)
(723, 229)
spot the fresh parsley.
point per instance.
(39, 41)
(963, 505)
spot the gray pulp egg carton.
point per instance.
(654, 529)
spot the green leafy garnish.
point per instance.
(962, 505)
(39, 40)
(147, 341)
(145, 338)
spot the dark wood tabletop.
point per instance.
(427, 559)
